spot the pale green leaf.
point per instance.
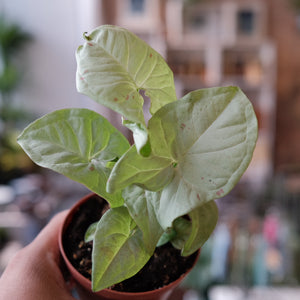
(77, 143)
(142, 211)
(211, 133)
(118, 250)
(150, 172)
(201, 146)
(114, 65)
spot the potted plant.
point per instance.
(161, 189)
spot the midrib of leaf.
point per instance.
(140, 65)
(92, 145)
(166, 145)
(128, 56)
(67, 150)
(182, 158)
(151, 71)
(161, 87)
(127, 237)
(152, 171)
(206, 129)
(126, 71)
(110, 261)
(117, 83)
(59, 144)
(180, 174)
(90, 138)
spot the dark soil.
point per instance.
(165, 266)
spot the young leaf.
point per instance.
(140, 136)
(90, 233)
(166, 237)
(118, 250)
(114, 65)
(191, 235)
(77, 143)
(143, 213)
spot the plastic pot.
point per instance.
(83, 284)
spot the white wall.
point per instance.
(57, 27)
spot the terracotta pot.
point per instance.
(83, 285)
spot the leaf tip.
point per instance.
(86, 36)
(145, 150)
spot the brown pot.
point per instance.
(83, 285)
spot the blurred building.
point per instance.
(250, 43)
(284, 28)
(253, 44)
(220, 43)
(212, 43)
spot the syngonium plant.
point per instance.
(191, 151)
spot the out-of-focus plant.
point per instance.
(296, 4)
(12, 41)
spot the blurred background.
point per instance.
(255, 44)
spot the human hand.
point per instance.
(35, 271)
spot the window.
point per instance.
(245, 21)
(137, 6)
(198, 21)
(195, 18)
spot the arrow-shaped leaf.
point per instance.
(114, 65)
(201, 146)
(211, 133)
(151, 172)
(77, 143)
(118, 249)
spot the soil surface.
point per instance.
(165, 266)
